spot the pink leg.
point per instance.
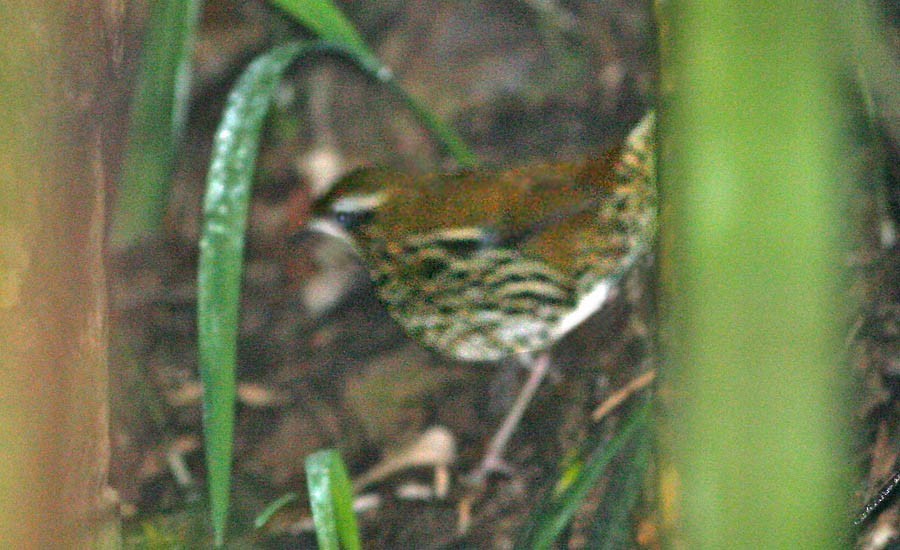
(493, 458)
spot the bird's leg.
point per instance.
(493, 457)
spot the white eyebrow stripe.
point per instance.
(357, 203)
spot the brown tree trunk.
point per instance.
(62, 104)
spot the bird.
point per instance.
(480, 265)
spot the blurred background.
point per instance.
(321, 363)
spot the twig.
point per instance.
(619, 396)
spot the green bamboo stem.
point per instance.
(755, 234)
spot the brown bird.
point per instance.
(481, 265)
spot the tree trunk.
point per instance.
(62, 104)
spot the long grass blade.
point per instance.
(158, 116)
(328, 22)
(555, 513)
(221, 260)
(613, 526)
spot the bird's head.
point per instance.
(352, 207)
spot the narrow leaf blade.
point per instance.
(158, 116)
(557, 511)
(220, 266)
(328, 22)
(331, 500)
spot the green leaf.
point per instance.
(263, 518)
(221, 261)
(157, 121)
(446, 135)
(227, 196)
(327, 21)
(613, 526)
(555, 513)
(331, 500)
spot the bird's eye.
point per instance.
(351, 220)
